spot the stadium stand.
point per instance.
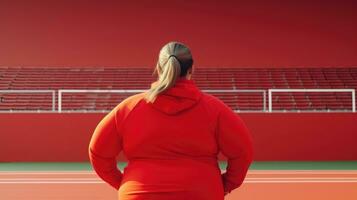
(104, 78)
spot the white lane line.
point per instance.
(101, 182)
(249, 178)
(249, 172)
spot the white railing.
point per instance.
(35, 91)
(243, 91)
(129, 91)
(61, 92)
(270, 94)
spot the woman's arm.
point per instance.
(104, 146)
(106, 142)
(235, 142)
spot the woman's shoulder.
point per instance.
(213, 103)
(130, 102)
(211, 99)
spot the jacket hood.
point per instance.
(181, 96)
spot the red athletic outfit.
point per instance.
(172, 146)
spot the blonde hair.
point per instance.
(175, 60)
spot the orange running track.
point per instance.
(259, 184)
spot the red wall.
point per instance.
(277, 136)
(220, 33)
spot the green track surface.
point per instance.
(276, 165)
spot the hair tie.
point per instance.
(173, 56)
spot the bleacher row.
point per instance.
(55, 78)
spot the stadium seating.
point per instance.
(55, 78)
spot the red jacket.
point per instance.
(172, 146)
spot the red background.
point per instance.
(219, 32)
(277, 136)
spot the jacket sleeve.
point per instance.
(104, 146)
(235, 143)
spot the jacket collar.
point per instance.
(181, 96)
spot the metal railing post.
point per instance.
(53, 100)
(270, 100)
(264, 100)
(354, 100)
(59, 100)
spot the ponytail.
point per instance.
(166, 80)
(174, 61)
